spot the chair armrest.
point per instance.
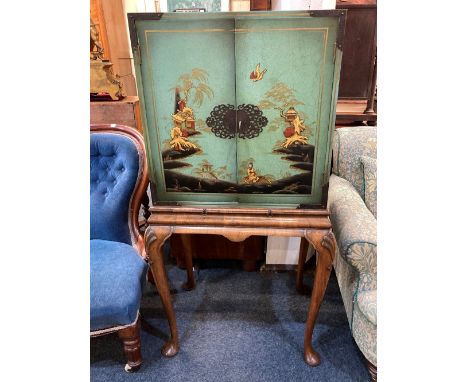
(354, 226)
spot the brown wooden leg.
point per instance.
(249, 265)
(150, 277)
(372, 369)
(324, 243)
(300, 265)
(187, 248)
(145, 204)
(154, 240)
(130, 337)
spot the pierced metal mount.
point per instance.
(341, 14)
(132, 18)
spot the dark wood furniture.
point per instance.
(130, 335)
(260, 5)
(208, 247)
(237, 224)
(356, 95)
(124, 112)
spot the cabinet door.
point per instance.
(190, 69)
(282, 67)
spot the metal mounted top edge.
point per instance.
(340, 13)
(132, 18)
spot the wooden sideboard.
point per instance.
(124, 112)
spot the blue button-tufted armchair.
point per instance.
(119, 179)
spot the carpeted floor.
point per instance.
(236, 326)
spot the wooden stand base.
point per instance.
(237, 224)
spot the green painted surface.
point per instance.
(211, 59)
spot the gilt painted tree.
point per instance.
(194, 84)
(282, 98)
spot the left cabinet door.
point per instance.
(188, 71)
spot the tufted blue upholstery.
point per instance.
(114, 172)
(118, 274)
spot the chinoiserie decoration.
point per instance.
(257, 75)
(184, 125)
(238, 109)
(247, 121)
(253, 177)
(104, 83)
(293, 132)
(185, 171)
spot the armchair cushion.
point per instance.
(349, 144)
(114, 172)
(118, 274)
(370, 183)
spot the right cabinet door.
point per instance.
(281, 68)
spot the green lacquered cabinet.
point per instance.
(238, 108)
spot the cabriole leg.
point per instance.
(324, 243)
(154, 240)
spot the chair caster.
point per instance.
(131, 369)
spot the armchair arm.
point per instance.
(354, 226)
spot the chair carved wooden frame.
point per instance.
(130, 334)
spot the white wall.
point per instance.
(284, 250)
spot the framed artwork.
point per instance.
(207, 5)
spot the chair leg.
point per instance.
(372, 369)
(130, 336)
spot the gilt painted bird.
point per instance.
(257, 75)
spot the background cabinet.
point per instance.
(356, 96)
(260, 5)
